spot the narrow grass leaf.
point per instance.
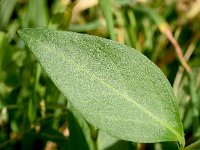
(107, 8)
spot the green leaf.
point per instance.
(6, 10)
(83, 125)
(77, 140)
(107, 142)
(115, 87)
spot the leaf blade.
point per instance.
(113, 80)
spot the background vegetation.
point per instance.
(35, 115)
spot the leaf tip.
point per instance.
(21, 33)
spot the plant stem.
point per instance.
(194, 102)
(94, 136)
(193, 145)
(166, 30)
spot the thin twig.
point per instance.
(166, 30)
(193, 146)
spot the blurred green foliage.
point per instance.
(35, 115)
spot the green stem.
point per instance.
(94, 136)
(193, 145)
(194, 101)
